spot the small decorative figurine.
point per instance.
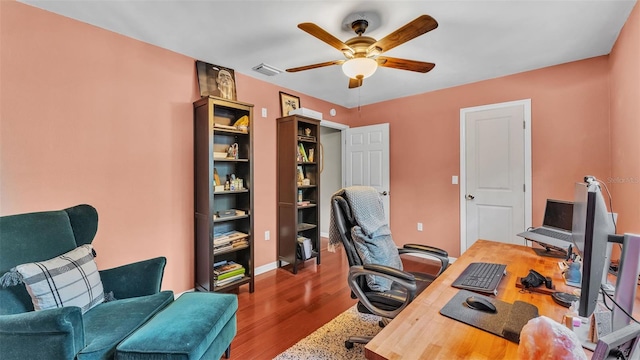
(232, 152)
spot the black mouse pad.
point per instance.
(496, 323)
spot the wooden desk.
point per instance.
(420, 332)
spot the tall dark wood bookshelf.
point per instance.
(298, 196)
(225, 208)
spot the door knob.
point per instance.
(470, 197)
(384, 193)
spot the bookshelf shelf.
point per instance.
(233, 285)
(305, 226)
(230, 250)
(230, 218)
(231, 192)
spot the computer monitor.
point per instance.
(592, 225)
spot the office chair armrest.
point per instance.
(428, 248)
(430, 252)
(393, 272)
(384, 271)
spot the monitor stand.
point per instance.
(551, 253)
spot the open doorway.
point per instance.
(331, 168)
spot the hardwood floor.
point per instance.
(285, 308)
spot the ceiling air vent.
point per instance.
(267, 69)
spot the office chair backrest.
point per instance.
(344, 222)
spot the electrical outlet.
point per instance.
(267, 235)
(264, 112)
(419, 226)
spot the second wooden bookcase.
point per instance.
(298, 190)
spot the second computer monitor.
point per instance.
(592, 225)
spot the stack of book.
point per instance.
(230, 240)
(226, 272)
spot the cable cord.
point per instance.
(613, 218)
(616, 304)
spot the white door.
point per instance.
(367, 159)
(495, 168)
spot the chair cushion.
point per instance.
(198, 325)
(71, 279)
(378, 249)
(109, 323)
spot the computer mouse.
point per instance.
(481, 304)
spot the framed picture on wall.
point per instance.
(287, 103)
(215, 80)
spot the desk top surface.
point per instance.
(420, 332)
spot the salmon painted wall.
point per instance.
(570, 138)
(90, 116)
(625, 125)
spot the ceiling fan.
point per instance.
(363, 52)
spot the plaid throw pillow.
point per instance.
(71, 279)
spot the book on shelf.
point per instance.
(228, 236)
(226, 127)
(225, 266)
(303, 153)
(305, 248)
(228, 246)
(229, 274)
(228, 280)
(304, 203)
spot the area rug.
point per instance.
(328, 341)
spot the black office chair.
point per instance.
(405, 286)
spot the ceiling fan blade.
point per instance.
(315, 66)
(404, 64)
(354, 83)
(319, 33)
(415, 28)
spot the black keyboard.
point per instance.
(482, 277)
(553, 234)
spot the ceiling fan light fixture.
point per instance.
(359, 67)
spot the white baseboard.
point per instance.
(184, 292)
(324, 234)
(265, 268)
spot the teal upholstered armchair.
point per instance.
(68, 332)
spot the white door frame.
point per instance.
(342, 128)
(527, 164)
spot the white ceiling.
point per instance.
(475, 40)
